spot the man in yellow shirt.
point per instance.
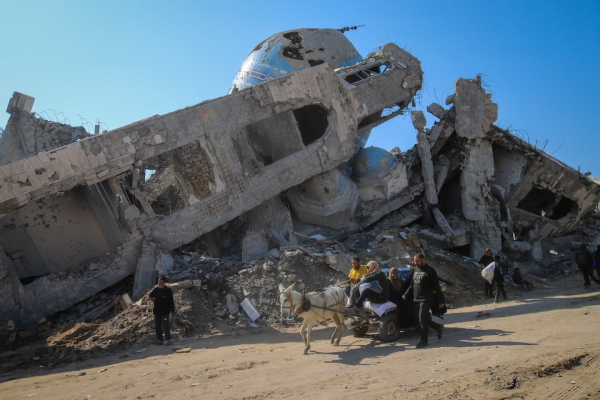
(357, 271)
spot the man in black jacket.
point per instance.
(499, 278)
(424, 287)
(584, 261)
(164, 307)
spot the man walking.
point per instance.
(499, 270)
(584, 262)
(164, 307)
(486, 260)
(424, 287)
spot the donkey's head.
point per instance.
(285, 300)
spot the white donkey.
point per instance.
(313, 307)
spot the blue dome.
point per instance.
(293, 51)
(372, 162)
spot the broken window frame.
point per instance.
(366, 72)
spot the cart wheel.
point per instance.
(360, 330)
(388, 327)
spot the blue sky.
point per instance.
(122, 61)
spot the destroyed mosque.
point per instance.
(281, 155)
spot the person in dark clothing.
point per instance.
(164, 307)
(423, 288)
(498, 279)
(397, 288)
(584, 260)
(486, 260)
(596, 265)
(518, 279)
(376, 295)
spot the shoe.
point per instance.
(439, 332)
(167, 343)
(159, 343)
(422, 344)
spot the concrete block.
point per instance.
(232, 306)
(20, 101)
(250, 310)
(157, 139)
(125, 301)
(418, 120)
(145, 273)
(436, 110)
(187, 284)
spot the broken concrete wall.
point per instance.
(61, 230)
(549, 196)
(53, 293)
(509, 168)
(475, 114)
(28, 134)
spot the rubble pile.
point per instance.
(229, 208)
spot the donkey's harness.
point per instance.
(305, 303)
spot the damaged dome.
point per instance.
(293, 51)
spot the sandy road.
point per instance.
(499, 356)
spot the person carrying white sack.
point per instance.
(493, 273)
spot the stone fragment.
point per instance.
(437, 110)
(187, 284)
(232, 304)
(517, 246)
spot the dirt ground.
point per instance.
(539, 344)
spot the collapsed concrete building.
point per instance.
(282, 154)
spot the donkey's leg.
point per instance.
(341, 328)
(302, 333)
(337, 327)
(308, 334)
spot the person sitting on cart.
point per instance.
(373, 287)
(397, 288)
(357, 272)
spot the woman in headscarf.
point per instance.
(373, 287)
(397, 286)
